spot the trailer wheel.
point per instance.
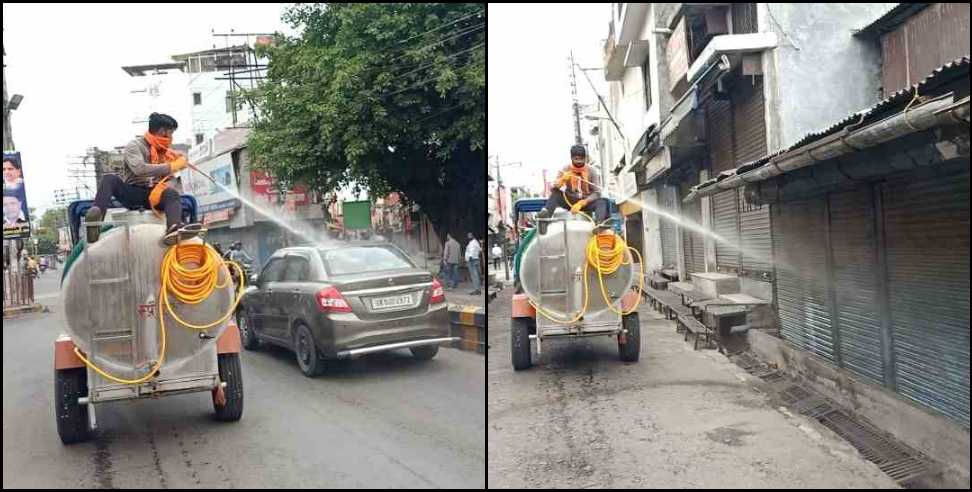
(629, 351)
(520, 343)
(72, 418)
(230, 373)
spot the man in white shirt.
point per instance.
(497, 256)
(473, 250)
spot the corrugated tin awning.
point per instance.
(891, 19)
(943, 74)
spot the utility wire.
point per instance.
(425, 81)
(440, 27)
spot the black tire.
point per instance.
(230, 373)
(308, 356)
(72, 418)
(424, 352)
(247, 336)
(520, 343)
(630, 351)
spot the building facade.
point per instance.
(827, 148)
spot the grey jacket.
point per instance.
(452, 251)
(138, 171)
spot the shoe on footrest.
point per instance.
(181, 232)
(94, 214)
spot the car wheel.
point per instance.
(250, 340)
(72, 418)
(230, 373)
(308, 357)
(425, 352)
(520, 343)
(629, 351)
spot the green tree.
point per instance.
(388, 96)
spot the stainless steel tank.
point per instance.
(111, 301)
(542, 254)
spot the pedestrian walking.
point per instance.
(450, 256)
(497, 256)
(473, 251)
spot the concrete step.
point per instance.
(715, 284)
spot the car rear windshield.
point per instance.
(363, 259)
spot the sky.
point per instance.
(530, 114)
(66, 61)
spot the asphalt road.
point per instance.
(385, 421)
(678, 418)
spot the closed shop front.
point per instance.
(749, 143)
(725, 214)
(666, 200)
(693, 243)
(926, 221)
(853, 240)
(801, 282)
(875, 280)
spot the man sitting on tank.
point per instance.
(581, 185)
(142, 184)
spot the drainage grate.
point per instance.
(899, 461)
(794, 395)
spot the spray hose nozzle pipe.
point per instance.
(200, 171)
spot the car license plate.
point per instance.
(391, 302)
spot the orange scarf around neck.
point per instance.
(159, 148)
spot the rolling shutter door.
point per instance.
(927, 235)
(749, 145)
(693, 244)
(743, 18)
(725, 215)
(666, 197)
(801, 282)
(853, 246)
(726, 225)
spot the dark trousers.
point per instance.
(598, 207)
(136, 197)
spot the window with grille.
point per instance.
(646, 78)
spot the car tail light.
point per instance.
(438, 295)
(330, 300)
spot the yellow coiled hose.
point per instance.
(189, 285)
(606, 254)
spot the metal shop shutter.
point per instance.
(755, 237)
(859, 305)
(749, 145)
(726, 224)
(926, 223)
(719, 125)
(693, 244)
(743, 18)
(801, 282)
(666, 199)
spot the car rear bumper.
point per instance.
(350, 336)
(346, 354)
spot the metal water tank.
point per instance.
(542, 252)
(111, 301)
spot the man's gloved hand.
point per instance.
(578, 205)
(178, 165)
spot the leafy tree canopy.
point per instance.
(389, 96)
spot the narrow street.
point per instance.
(386, 421)
(677, 418)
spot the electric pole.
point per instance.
(573, 93)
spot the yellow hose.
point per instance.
(606, 254)
(189, 286)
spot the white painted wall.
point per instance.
(159, 93)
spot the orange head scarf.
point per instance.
(159, 148)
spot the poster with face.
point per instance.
(16, 217)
